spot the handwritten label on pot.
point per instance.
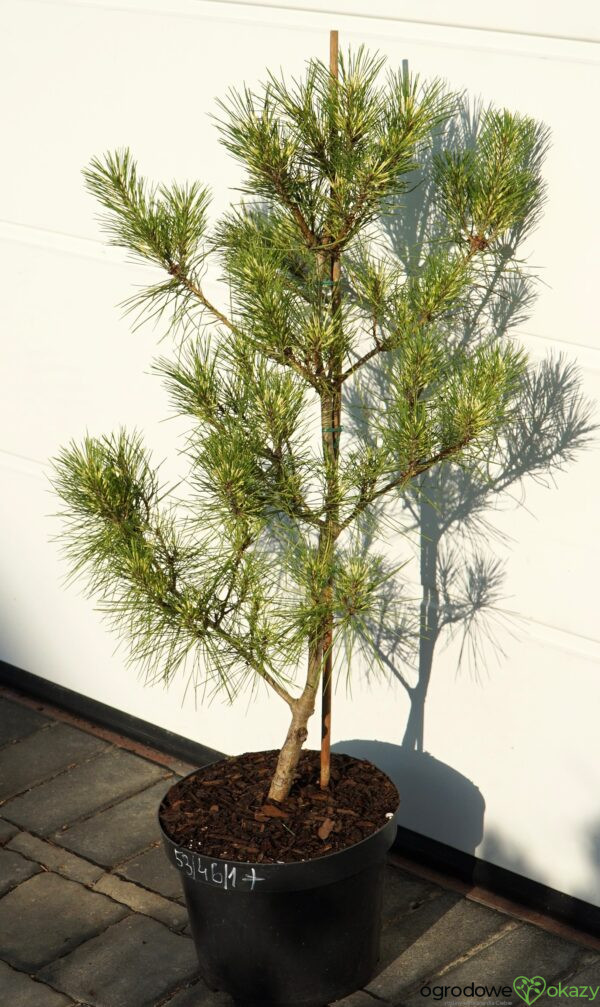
(216, 873)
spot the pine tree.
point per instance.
(270, 563)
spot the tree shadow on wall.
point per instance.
(435, 799)
(447, 510)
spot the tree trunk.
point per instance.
(321, 653)
(326, 707)
(289, 755)
(331, 416)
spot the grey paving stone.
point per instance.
(47, 916)
(119, 832)
(587, 974)
(358, 999)
(19, 990)
(43, 754)
(524, 950)
(179, 767)
(92, 785)
(418, 944)
(7, 831)
(132, 964)
(403, 892)
(55, 858)
(199, 995)
(152, 870)
(14, 869)
(142, 901)
(403, 931)
(17, 721)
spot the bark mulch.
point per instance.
(222, 810)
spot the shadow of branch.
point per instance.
(447, 510)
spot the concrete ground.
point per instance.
(91, 911)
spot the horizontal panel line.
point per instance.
(20, 457)
(23, 464)
(554, 636)
(61, 241)
(265, 10)
(570, 634)
(457, 26)
(523, 334)
(95, 249)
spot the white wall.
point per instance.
(81, 77)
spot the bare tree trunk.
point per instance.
(303, 710)
(325, 772)
(330, 428)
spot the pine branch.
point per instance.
(177, 273)
(132, 557)
(467, 406)
(260, 670)
(381, 347)
(431, 301)
(400, 481)
(258, 140)
(252, 411)
(495, 188)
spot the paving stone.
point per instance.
(7, 831)
(179, 767)
(403, 892)
(418, 944)
(588, 974)
(142, 901)
(110, 777)
(119, 832)
(19, 990)
(55, 858)
(47, 916)
(132, 964)
(43, 754)
(358, 999)
(95, 950)
(14, 869)
(17, 721)
(404, 930)
(199, 995)
(152, 870)
(524, 950)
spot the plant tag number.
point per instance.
(214, 873)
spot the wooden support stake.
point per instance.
(328, 641)
(334, 47)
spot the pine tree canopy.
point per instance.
(338, 372)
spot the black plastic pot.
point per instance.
(287, 935)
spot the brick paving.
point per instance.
(91, 912)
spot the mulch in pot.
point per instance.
(222, 810)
